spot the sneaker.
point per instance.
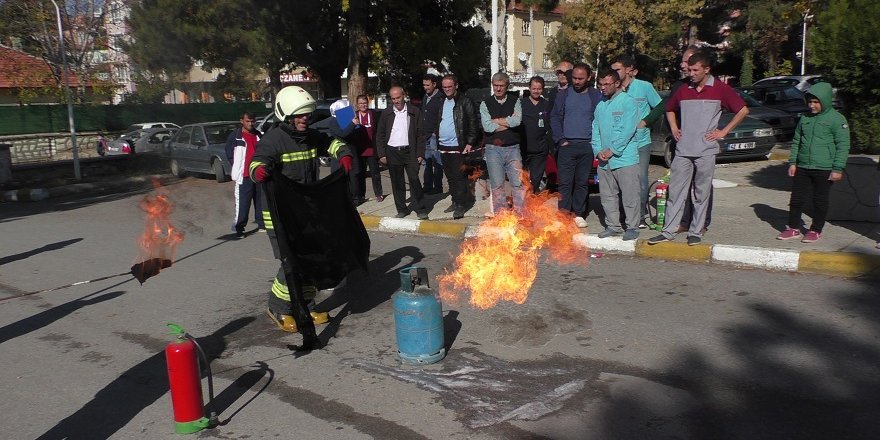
(693, 240)
(402, 214)
(580, 222)
(380, 199)
(608, 232)
(630, 234)
(788, 234)
(811, 237)
(451, 208)
(423, 216)
(239, 234)
(658, 239)
(457, 214)
(643, 224)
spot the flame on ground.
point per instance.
(501, 264)
(160, 238)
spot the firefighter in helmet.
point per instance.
(294, 147)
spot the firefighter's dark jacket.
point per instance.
(296, 152)
(467, 121)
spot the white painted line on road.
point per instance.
(776, 259)
(398, 225)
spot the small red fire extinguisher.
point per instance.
(184, 378)
(661, 191)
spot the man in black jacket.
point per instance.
(432, 103)
(458, 130)
(535, 129)
(399, 146)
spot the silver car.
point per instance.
(149, 140)
(201, 148)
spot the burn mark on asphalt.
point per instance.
(536, 328)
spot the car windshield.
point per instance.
(750, 101)
(779, 81)
(217, 134)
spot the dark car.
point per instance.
(201, 148)
(752, 138)
(783, 123)
(321, 113)
(780, 97)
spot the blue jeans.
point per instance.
(574, 162)
(433, 177)
(505, 161)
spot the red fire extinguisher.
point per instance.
(184, 378)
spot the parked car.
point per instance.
(145, 125)
(786, 98)
(321, 113)
(802, 83)
(752, 138)
(150, 140)
(201, 148)
(783, 123)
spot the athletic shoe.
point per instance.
(630, 234)
(693, 240)
(402, 214)
(643, 224)
(608, 232)
(788, 234)
(423, 216)
(658, 239)
(811, 237)
(380, 198)
(580, 222)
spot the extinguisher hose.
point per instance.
(212, 414)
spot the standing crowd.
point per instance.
(520, 140)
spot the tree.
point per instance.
(845, 43)
(604, 29)
(82, 22)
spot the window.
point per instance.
(184, 136)
(527, 27)
(547, 29)
(548, 63)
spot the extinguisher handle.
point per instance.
(176, 330)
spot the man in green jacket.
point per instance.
(819, 152)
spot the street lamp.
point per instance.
(807, 17)
(66, 77)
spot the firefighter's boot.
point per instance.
(309, 293)
(284, 322)
(320, 317)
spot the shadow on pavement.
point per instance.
(363, 292)
(39, 250)
(237, 388)
(125, 397)
(775, 217)
(793, 377)
(47, 317)
(773, 176)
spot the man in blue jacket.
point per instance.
(616, 147)
(571, 121)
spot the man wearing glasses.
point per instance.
(616, 147)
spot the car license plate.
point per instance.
(741, 146)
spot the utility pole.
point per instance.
(66, 77)
(807, 17)
(493, 63)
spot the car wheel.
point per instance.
(175, 169)
(219, 173)
(669, 153)
(100, 148)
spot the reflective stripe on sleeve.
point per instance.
(299, 155)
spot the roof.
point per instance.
(21, 70)
(518, 6)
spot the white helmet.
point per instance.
(293, 100)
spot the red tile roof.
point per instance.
(18, 69)
(517, 6)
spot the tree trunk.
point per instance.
(358, 49)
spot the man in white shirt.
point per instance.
(399, 147)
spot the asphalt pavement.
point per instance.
(750, 208)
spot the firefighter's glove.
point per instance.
(261, 174)
(345, 163)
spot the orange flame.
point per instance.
(501, 264)
(159, 239)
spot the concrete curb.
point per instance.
(847, 264)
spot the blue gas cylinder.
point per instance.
(418, 319)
